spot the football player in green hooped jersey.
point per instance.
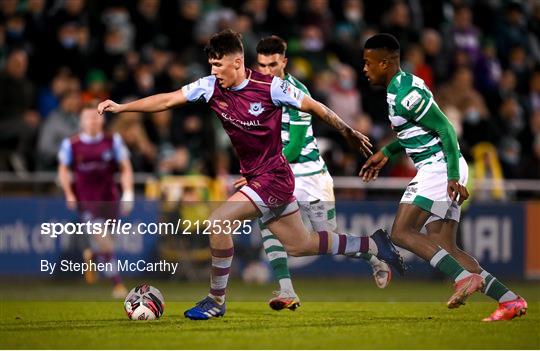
(433, 198)
(314, 187)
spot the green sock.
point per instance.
(448, 265)
(495, 289)
(276, 255)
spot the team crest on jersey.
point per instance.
(255, 108)
(107, 155)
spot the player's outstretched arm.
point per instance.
(153, 103)
(355, 139)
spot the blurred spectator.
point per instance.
(143, 153)
(172, 157)
(520, 65)
(488, 70)
(534, 93)
(512, 31)
(244, 25)
(397, 21)
(285, 11)
(317, 13)
(415, 63)
(62, 123)
(512, 121)
(147, 22)
(460, 92)
(18, 119)
(180, 30)
(72, 48)
(350, 28)
(257, 10)
(464, 36)
(505, 88)
(96, 87)
(49, 97)
(344, 97)
(433, 53)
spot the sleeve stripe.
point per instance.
(425, 110)
(300, 123)
(420, 107)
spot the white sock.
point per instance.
(286, 284)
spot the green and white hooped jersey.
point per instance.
(409, 100)
(310, 161)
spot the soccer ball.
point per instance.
(144, 302)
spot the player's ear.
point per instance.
(237, 62)
(285, 60)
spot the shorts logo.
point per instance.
(411, 189)
(272, 200)
(255, 108)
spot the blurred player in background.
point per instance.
(314, 187)
(433, 198)
(249, 106)
(88, 163)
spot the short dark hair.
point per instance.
(382, 41)
(271, 45)
(224, 43)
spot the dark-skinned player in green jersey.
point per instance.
(433, 198)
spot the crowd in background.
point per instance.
(480, 58)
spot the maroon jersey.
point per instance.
(251, 116)
(94, 162)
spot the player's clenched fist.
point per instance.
(109, 106)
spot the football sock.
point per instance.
(448, 265)
(344, 244)
(495, 289)
(221, 267)
(278, 259)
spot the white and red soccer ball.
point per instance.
(144, 302)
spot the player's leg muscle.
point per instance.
(406, 231)
(444, 233)
(237, 207)
(292, 233)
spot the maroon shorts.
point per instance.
(272, 193)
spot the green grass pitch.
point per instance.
(335, 314)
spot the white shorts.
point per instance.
(315, 195)
(428, 190)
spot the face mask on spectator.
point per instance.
(353, 16)
(14, 33)
(346, 84)
(312, 44)
(472, 116)
(69, 42)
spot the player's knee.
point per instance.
(297, 250)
